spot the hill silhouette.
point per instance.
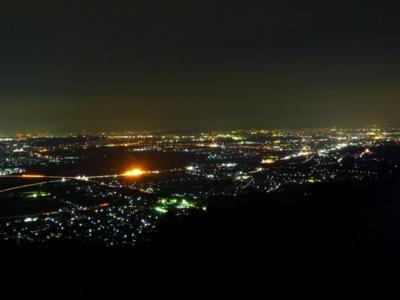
(312, 242)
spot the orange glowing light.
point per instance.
(134, 173)
(49, 213)
(32, 176)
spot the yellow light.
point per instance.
(379, 137)
(268, 161)
(134, 173)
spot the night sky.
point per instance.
(134, 65)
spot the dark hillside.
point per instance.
(320, 241)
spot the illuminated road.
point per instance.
(131, 173)
(29, 185)
(34, 176)
(56, 179)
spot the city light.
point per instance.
(122, 212)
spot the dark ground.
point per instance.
(334, 241)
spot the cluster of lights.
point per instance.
(260, 160)
(164, 205)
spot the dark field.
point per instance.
(104, 161)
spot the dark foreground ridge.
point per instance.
(322, 241)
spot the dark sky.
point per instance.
(117, 65)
